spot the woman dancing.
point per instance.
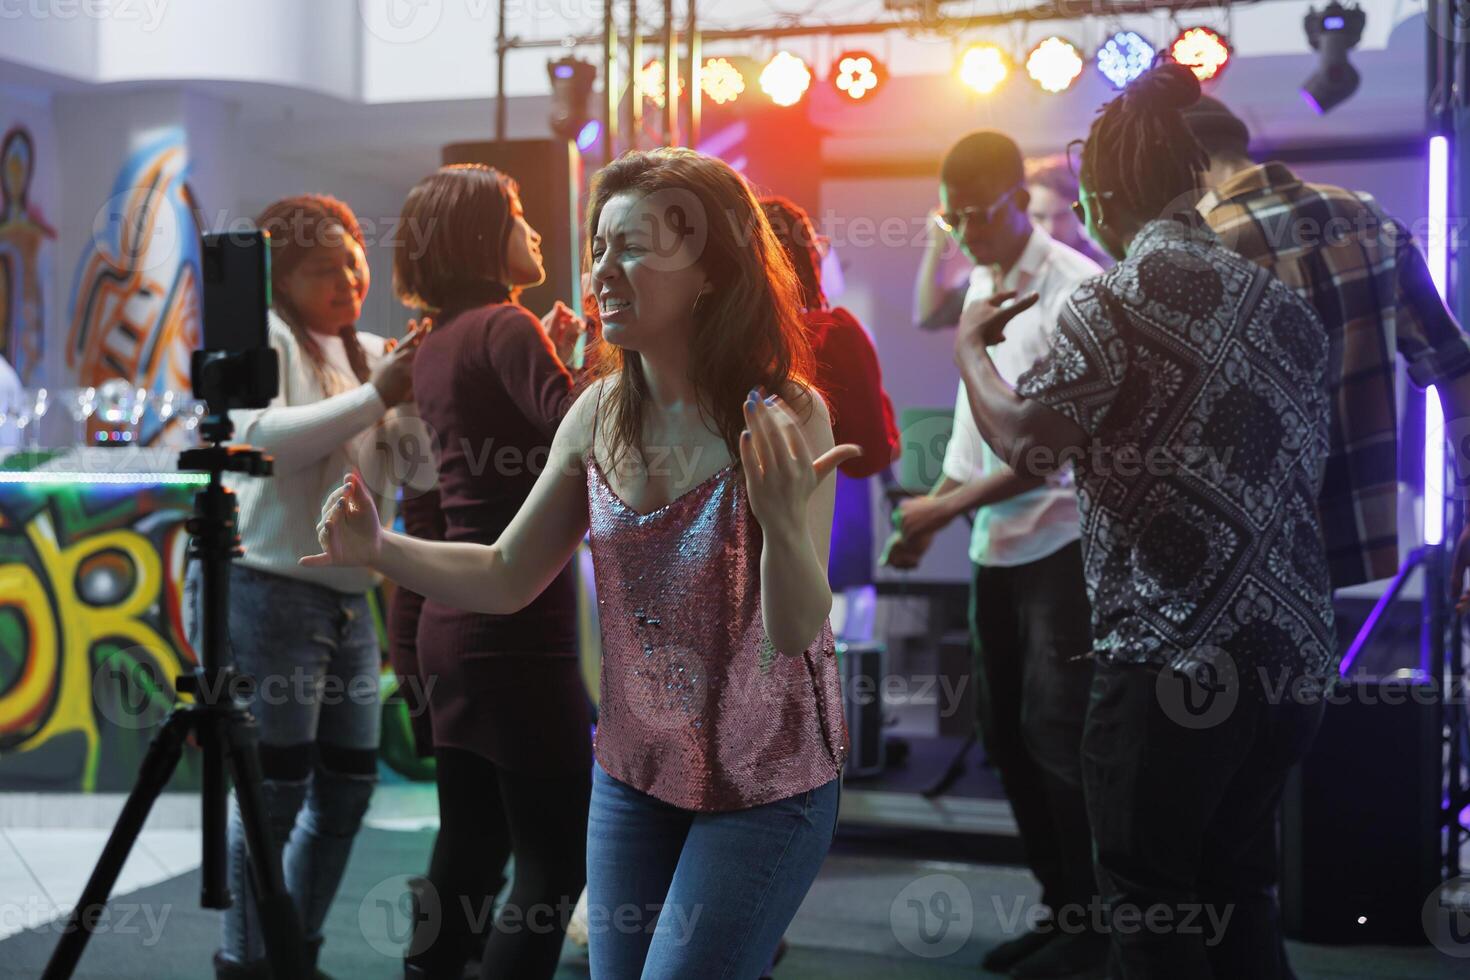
(721, 738)
(510, 716)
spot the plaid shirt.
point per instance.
(1369, 283)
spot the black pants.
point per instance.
(1031, 631)
(1184, 816)
(486, 813)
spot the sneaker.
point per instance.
(1012, 951)
(1077, 955)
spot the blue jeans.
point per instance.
(314, 656)
(672, 893)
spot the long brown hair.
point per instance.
(748, 331)
(458, 221)
(297, 225)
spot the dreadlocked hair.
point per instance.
(296, 225)
(1139, 153)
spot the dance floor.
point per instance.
(857, 922)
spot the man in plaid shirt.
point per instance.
(1369, 283)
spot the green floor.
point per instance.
(857, 923)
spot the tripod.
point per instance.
(224, 730)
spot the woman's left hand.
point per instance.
(780, 474)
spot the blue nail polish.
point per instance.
(771, 401)
(752, 398)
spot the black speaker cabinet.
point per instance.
(863, 667)
(1360, 845)
(549, 173)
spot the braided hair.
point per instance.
(794, 230)
(1139, 153)
(296, 224)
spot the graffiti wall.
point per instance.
(25, 258)
(90, 632)
(136, 301)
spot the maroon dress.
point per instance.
(507, 688)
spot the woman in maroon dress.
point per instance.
(510, 716)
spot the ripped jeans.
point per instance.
(314, 655)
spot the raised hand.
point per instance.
(983, 321)
(564, 328)
(349, 532)
(780, 474)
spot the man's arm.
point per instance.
(937, 300)
(1033, 439)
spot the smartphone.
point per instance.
(237, 291)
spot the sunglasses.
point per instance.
(954, 221)
(1081, 211)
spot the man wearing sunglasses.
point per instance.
(1029, 616)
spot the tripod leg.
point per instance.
(280, 922)
(158, 766)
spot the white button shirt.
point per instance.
(1037, 523)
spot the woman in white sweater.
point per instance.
(305, 634)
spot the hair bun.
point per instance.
(1167, 85)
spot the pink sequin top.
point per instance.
(698, 709)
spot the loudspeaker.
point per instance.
(1360, 817)
(863, 667)
(549, 173)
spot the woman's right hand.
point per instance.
(393, 375)
(349, 532)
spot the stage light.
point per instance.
(857, 73)
(1438, 260)
(589, 134)
(1054, 64)
(1437, 245)
(785, 78)
(1202, 51)
(721, 81)
(1123, 57)
(571, 84)
(651, 83)
(1332, 33)
(983, 67)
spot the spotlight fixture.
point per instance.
(571, 84)
(1332, 32)
(785, 78)
(1123, 57)
(984, 66)
(857, 73)
(721, 81)
(651, 82)
(1054, 64)
(1202, 51)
